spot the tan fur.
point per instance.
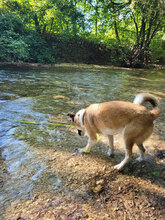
(133, 121)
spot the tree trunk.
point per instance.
(116, 31)
(37, 24)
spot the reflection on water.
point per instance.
(48, 96)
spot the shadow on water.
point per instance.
(41, 158)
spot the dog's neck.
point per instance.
(80, 117)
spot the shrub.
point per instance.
(12, 47)
(18, 44)
(39, 50)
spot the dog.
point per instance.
(132, 120)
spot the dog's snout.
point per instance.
(79, 132)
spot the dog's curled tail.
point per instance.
(146, 97)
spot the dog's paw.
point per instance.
(83, 150)
(80, 150)
(139, 159)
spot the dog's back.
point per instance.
(116, 114)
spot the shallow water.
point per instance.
(48, 96)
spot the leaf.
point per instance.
(156, 173)
(97, 189)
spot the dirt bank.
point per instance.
(71, 65)
(89, 188)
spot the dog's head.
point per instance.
(78, 120)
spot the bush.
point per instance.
(11, 22)
(118, 54)
(158, 50)
(12, 47)
(39, 50)
(18, 44)
(71, 48)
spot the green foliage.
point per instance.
(18, 44)
(39, 51)
(127, 33)
(69, 48)
(12, 46)
(11, 22)
(158, 49)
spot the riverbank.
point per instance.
(89, 188)
(73, 65)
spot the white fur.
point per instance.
(79, 117)
(138, 99)
(127, 158)
(88, 147)
(108, 131)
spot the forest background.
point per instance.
(119, 32)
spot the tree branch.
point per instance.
(136, 25)
(116, 31)
(153, 34)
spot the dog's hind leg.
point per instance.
(141, 152)
(128, 154)
(141, 138)
(111, 146)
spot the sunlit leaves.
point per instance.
(133, 24)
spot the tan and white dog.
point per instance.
(132, 120)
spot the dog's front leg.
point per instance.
(87, 149)
(111, 147)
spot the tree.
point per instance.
(149, 18)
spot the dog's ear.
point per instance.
(71, 116)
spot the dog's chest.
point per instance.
(109, 131)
